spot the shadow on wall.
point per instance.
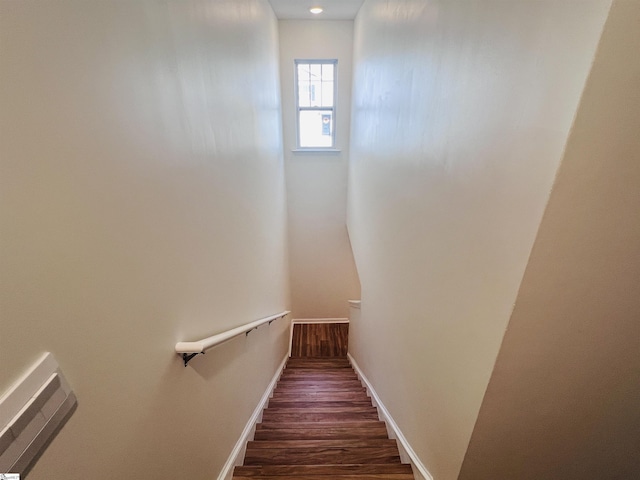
(214, 382)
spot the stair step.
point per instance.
(320, 423)
(313, 373)
(290, 403)
(310, 394)
(369, 430)
(320, 417)
(348, 409)
(318, 378)
(310, 387)
(320, 396)
(310, 382)
(354, 424)
(331, 471)
(334, 362)
(389, 468)
(318, 455)
(317, 417)
(318, 387)
(326, 443)
(311, 368)
(327, 473)
(386, 476)
(317, 391)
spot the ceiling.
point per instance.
(299, 9)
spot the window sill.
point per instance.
(331, 151)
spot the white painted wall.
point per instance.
(322, 269)
(563, 398)
(143, 202)
(461, 111)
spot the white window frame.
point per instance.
(334, 62)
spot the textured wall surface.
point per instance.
(142, 203)
(562, 403)
(461, 111)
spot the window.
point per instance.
(315, 103)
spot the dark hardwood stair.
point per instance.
(320, 423)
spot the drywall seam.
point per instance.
(237, 454)
(419, 470)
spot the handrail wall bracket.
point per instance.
(188, 356)
(246, 334)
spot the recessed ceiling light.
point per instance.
(316, 10)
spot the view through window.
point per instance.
(315, 102)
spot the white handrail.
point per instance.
(200, 346)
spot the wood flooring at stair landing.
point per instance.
(320, 423)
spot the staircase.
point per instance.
(320, 423)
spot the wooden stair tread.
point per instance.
(317, 365)
(319, 387)
(318, 373)
(301, 379)
(314, 409)
(313, 425)
(319, 395)
(325, 433)
(284, 404)
(319, 391)
(385, 476)
(284, 470)
(333, 476)
(303, 382)
(329, 433)
(320, 423)
(322, 455)
(318, 417)
(317, 378)
(341, 443)
(288, 389)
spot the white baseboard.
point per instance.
(407, 453)
(237, 454)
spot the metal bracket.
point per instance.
(255, 328)
(187, 357)
(246, 334)
(281, 316)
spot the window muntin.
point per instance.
(315, 82)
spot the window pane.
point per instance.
(316, 128)
(327, 94)
(303, 94)
(327, 72)
(316, 88)
(316, 93)
(316, 71)
(315, 84)
(303, 71)
(303, 85)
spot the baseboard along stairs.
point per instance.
(320, 423)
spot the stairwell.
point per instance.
(320, 423)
